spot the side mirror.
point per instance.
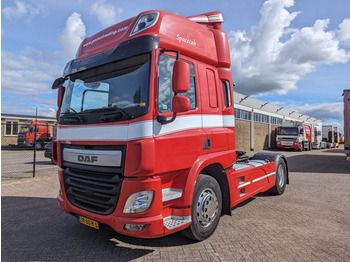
(58, 82)
(58, 112)
(181, 77)
(60, 94)
(181, 104)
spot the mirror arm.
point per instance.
(174, 51)
(164, 121)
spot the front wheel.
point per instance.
(38, 145)
(280, 178)
(205, 210)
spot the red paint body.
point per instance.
(347, 123)
(26, 136)
(159, 157)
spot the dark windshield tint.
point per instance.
(122, 85)
(293, 131)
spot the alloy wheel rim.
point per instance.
(207, 208)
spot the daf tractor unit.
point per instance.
(146, 130)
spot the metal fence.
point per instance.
(26, 149)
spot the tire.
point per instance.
(38, 145)
(301, 148)
(280, 178)
(205, 210)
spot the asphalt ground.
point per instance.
(309, 222)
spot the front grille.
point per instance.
(92, 191)
(288, 138)
(20, 139)
(93, 188)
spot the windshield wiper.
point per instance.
(72, 119)
(109, 109)
(111, 116)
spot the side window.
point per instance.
(212, 91)
(11, 128)
(165, 92)
(226, 86)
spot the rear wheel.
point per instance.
(280, 178)
(205, 210)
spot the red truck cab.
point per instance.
(34, 131)
(146, 134)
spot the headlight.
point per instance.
(145, 21)
(138, 202)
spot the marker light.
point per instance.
(138, 202)
(145, 21)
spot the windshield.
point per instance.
(292, 131)
(122, 86)
(24, 129)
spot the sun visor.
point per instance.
(128, 48)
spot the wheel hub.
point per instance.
(281, 175)
(207, 207)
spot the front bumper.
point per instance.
(162, 217)
(283, 145)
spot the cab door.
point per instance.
(179, 143)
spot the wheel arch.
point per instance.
(217, 172)
(272, 157)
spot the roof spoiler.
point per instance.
(212, 20)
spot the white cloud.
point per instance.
(263, 63)
(106, 14)
(20, 10)
(344, 32)
(27, 74)
(325, 111)
(71, 36)
(26, 80)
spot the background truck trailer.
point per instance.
(336, 136)
(347, 123)
(328, 136)
(318, 144)
(146, 134)
(34, 131)
(296, 136)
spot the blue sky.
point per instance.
(291, 53)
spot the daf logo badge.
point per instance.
(87, 159)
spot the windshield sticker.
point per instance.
(185, 40)
(106, 35)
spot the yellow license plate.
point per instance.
(88, 222)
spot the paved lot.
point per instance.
(17, 164)
(309, 222)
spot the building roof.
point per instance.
(27, 117)
(245, 102)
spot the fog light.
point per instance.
(132, 227)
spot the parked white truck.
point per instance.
(317, 142)
(328, 135)
(295, 135)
